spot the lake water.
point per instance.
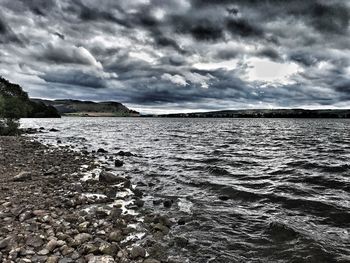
(251, 190)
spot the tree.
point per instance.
(12, 107)
(8, 126)
(15, 104)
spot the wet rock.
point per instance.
(182, 221)
(137, 251)
(75, 255)
(163, 219)
(116, 236)
(83, 226)
(181, 241)
(43, 252)
(101, 213)
(111, 192)
(4, 243)
(22, 176)
(138, 192)
(34, 241)
(52, 245)
(66, 250)
(82, 238)
(167, 203)
(52, 259)
(151, 260)
(224, 197)
(115, 212)
(139, 183)
(127, 184)
(118, 163)
(157, 202)
(25, 216)
(101, 259)
(108, 177)
(122, 153)
(108, 249)
(89, 248)
(101, 150)
(139, 202)
(39, 259)
(39, 213)
(160, 227)
(66, 260)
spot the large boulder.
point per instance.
(111, 178)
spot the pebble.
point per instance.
(101, 259)
(137, 251)
(82, 238)
(116, 236)
(151, 260)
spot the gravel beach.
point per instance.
(51, 211)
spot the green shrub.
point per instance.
(9, 127)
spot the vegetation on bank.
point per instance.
(15, 104)
(78, 108)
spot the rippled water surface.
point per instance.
(251, 190)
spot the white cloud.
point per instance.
(228, 65)
(265, 70)
(196, 78)
(176, 79)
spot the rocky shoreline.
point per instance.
(60, 205)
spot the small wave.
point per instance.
(215, 170)
(319, 166)
(211, 160)
(322, 181)
(336, 168)
(279, 231)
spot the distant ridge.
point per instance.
(265, 113)
(68, 107)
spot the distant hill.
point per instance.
(89, 108)
(266, 113)
(15, 103)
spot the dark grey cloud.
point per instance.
(75, 78)
(66, 54)
(6, 34)
(270, 53)
(59, 35)
(329, 17)
(91, 14)
(180, 53)
(204, 30)
(243, 28)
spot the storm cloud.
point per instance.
(159, 56)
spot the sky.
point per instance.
(165, 56)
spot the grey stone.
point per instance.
(22, 176)
(4, 243)
(137, 251)
(101, 259)
(116, 236)
(82, 238)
